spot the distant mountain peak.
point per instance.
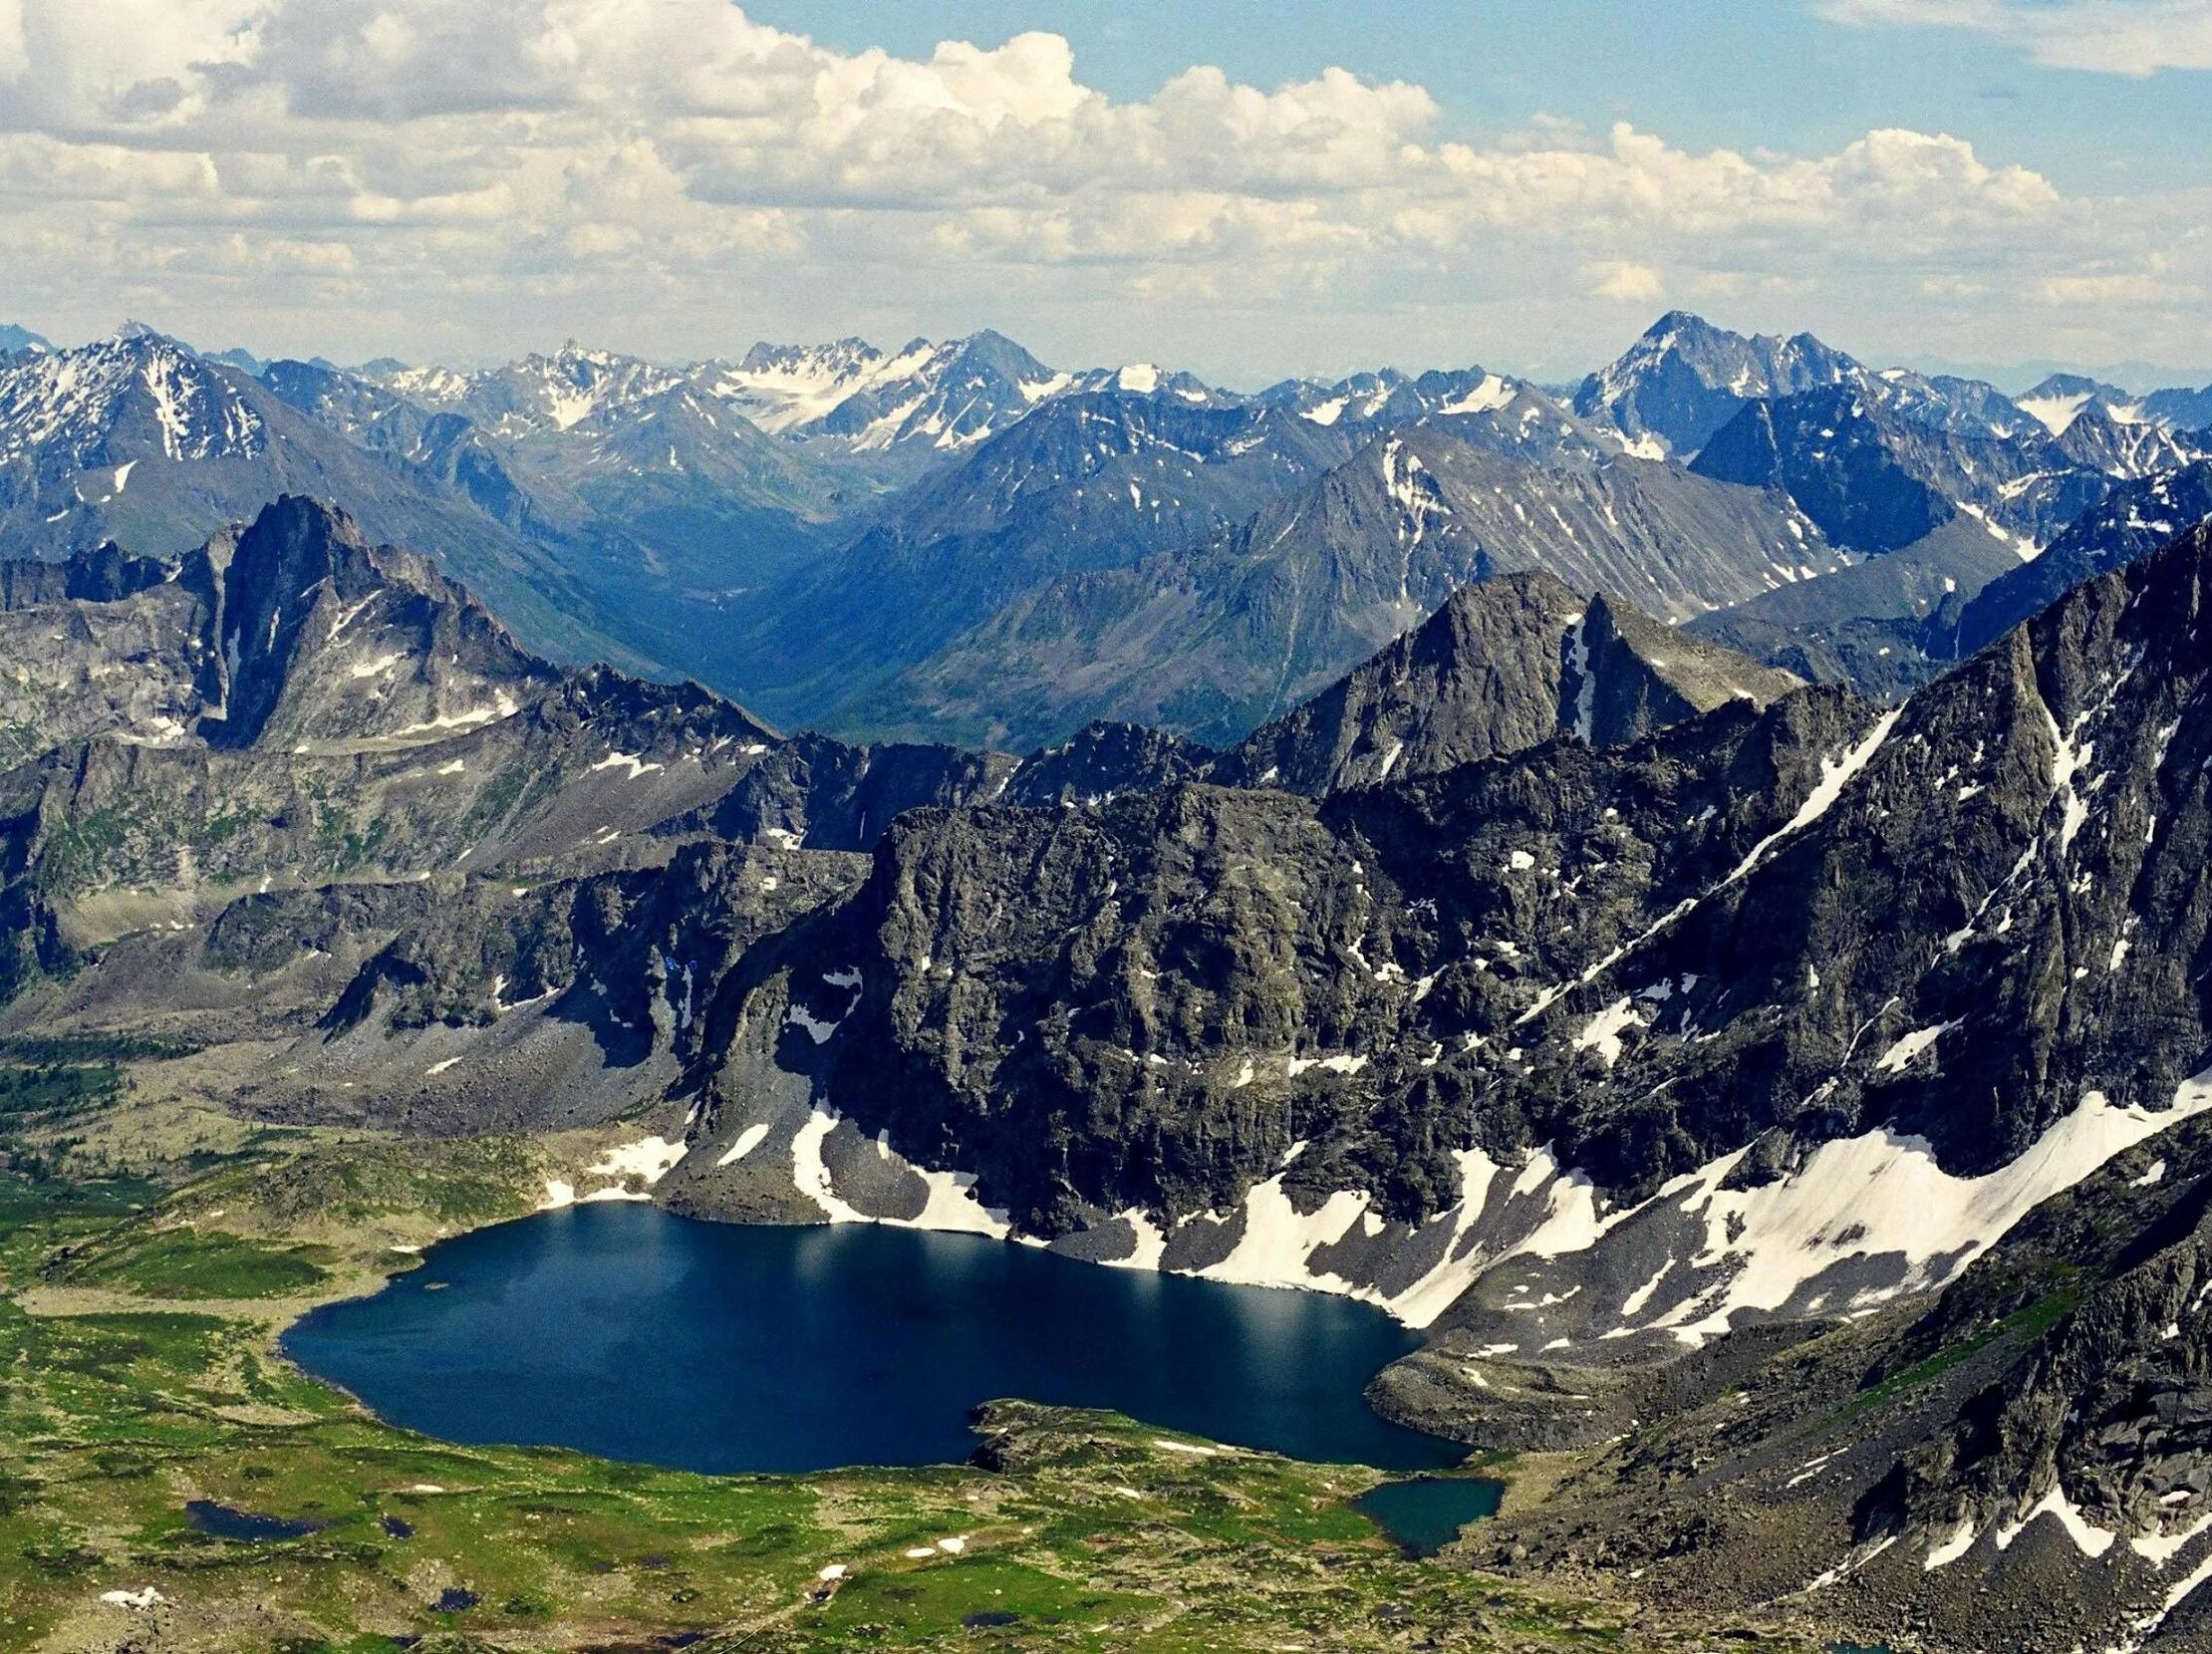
(2063, 397)
(1685, 378)
(133, 390)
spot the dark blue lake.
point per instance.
(1426, 1513)
(626, 1331)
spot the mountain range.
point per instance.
(954, 541)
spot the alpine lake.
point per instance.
(622, 1330)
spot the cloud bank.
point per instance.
(2109, 36)
(671, 175)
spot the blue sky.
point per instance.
(1705, 73)
(1247, 190)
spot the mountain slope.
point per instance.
(1091, 481)
(1876, 480)
(135, 440)
(301, 709)
(1930, 965)
(2132, 521)
(1888, 625)
(896, 414)
(1214, 637)
(1881, 626)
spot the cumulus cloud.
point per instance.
(1625, 281)
(435, 176)
(2112, 37)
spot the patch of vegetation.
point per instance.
(2024, 1325)
(190, 1264)
(55, 1088)
(457, 1184)
(31, 1193)
(97, 1048)
(77, 853)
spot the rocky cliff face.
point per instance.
(291, 709)
(1478, 677)
(1627, 675)
(1588, 1057)
(2136, 518)
(1100, 760)
(1179, 987)
(1503, 666)
(1685, 379)
(1890, 624)
(1876, 478)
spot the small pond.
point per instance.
(1424, 1513)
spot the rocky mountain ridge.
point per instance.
(1213, 637)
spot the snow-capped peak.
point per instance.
(944, 395)
(136, 385)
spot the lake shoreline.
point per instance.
(1127, 1301)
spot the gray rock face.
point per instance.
(2136, 518)
(76, 667)
(312, 632)
(1503, 665)
(290, 707)
(1100, 760)
(1151, 985)
(1627, 675)
(1878, 479)
(1090, 482)
(2019, 1465)
(1478, 677)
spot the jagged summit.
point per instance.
(1685, 378)
(323, 638)
(1503, 666)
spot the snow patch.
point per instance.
(1900, 1054)
(1946, 1552)
(798, 1017)
(747, 1140)
(2090, 1540)
(1883, 1195)
(1602, 1032)
(950, 1203)
(1485, 396)
(633, 761)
